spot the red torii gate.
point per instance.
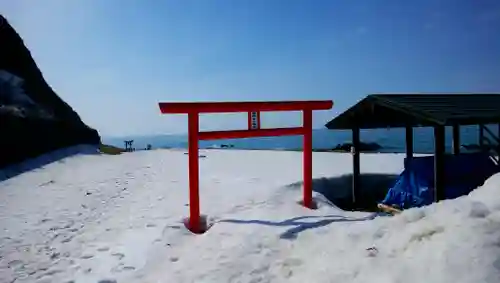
(193, 109)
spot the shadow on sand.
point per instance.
(338, 190)
(45, 159)
(298, 225)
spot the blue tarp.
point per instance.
(463, 173)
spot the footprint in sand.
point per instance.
(103, 249)
(51, 273)
(44, 220)
(261, 270)
(68, 239)
(120, 256)
(289, 265)
(121, 268)
(14, 263)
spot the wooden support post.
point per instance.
(355, 164)
(481, 136)
(456, 140)
(498, 135)
(439, 151)
(307, 150)
(409, 143)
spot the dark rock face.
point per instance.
(33, 119)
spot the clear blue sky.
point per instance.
(114, 60)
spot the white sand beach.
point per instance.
(92, 218)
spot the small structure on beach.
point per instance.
(363, 147)
(422, 110)
(129, 145)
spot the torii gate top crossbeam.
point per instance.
(246, 106)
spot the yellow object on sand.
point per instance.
(388, 208)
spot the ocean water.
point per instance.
(392, 140)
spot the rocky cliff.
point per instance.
(33, 118)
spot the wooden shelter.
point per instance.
(419, 110)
